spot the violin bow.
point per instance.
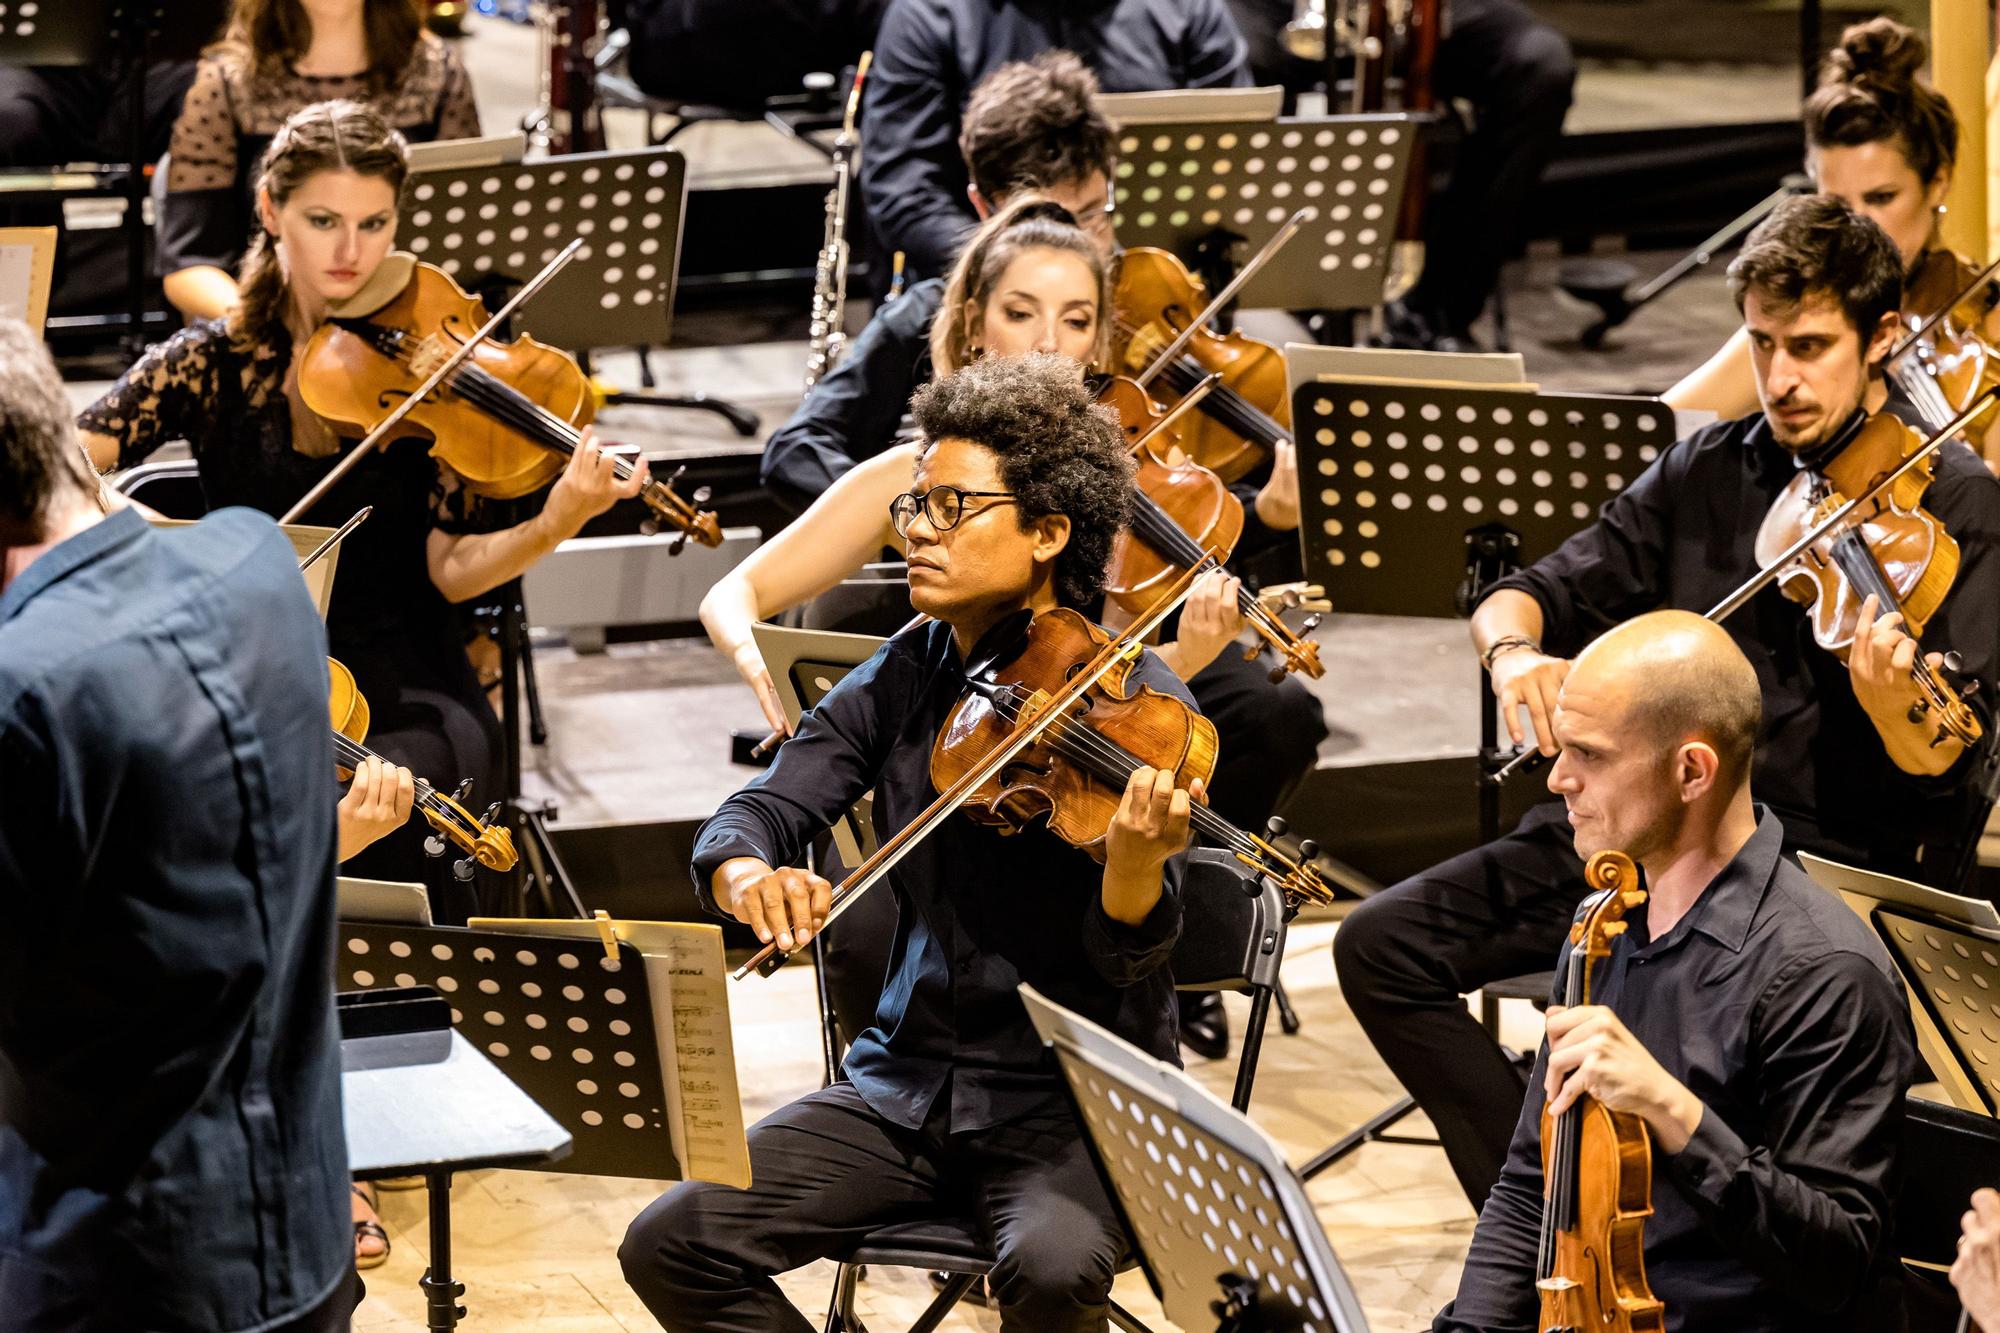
(1757, 582)
(1165, 356)
(1938, 315)
(437, 377)
(873, 870)
(338, 536)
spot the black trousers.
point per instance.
(1518, 73)
(828, 1170)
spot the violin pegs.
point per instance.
(433, 845)
(1917, 711)
(462, 791)
(649, 527)
(1953, 663)
(1274, 827)
(701, 494)
(1308, 849)
(1309, 624)
(461, 869)
(492, 813)
(678, 544)
(1276, 675)
(677, 474)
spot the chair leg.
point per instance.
(1253, 1046)
(948, 1296)
(1375, 1131)
(840, 1316)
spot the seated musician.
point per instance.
(171, 1154)
(1841, 765)
(1881, 138)
(930, 54)
(277, 58)
(1033, 125)
(331, 181)
(949, 1106)
(1748, 1017)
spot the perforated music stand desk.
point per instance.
(1393, 476)
(1947, 949)
(1179, 184)
(1213, 1208)
(805, 665)
(520, 999)
(500, 224)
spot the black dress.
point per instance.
(387, 622)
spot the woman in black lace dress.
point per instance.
(326, 212)
(275, 59)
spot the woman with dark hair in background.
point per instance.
(280, 56)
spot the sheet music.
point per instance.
(27, 266)
(687, 977)
(1188, 105)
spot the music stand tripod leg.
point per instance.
(441, 1293)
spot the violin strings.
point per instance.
(1158, 530)
(1225, 404)
(1087, 746)
(351, 753)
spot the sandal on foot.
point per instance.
(365, 1229)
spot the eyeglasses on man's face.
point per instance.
(944, 506)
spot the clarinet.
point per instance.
(828, 338)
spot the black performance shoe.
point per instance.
(1204, 1025)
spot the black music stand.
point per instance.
(1415, 497)
(1947, 949)
(493, 227)
(574, 1030)
(1222, 1226)
(131, 36)
(419, 1106)
(1213, 192)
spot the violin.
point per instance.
(1597, 1164)
(1182, 511)
(481, 840)
(1074, 774)
(1890, 548)
(505, 419)
(1945, 360)
(1249, 414)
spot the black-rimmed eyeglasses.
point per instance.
(944, 506)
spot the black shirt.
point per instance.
(929, 54)
(1683, 535)
(1772, 1002)
(854, 411)
(171, 1152)
(981, 912)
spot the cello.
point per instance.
(1597, 1164)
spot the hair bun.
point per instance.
(1880, 52)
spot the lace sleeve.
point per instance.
(166, 395)
(458, 115)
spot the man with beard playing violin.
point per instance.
(1840, 761)
(949, 1105)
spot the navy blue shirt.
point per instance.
(929, 54)
(171, 1146)
(981, 912)
(1684, 534)
(1774, 1004)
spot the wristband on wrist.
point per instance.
(1506, 644)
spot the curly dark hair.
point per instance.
(1815, 245)
(1059, 453)
(1033, 124)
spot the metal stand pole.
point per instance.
(441, 1294)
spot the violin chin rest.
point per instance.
(391, 276)
(998, 643)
